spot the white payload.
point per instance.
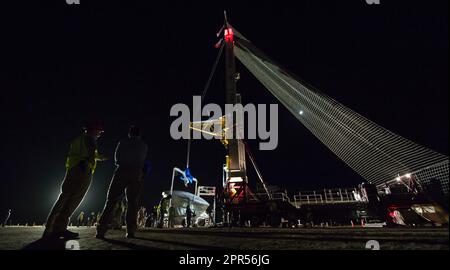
(181, 200)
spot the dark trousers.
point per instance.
(128, 181)
(75, 185)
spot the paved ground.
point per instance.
(236, 238)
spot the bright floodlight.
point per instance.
(408, 175)
(398, 178)
(300, 112)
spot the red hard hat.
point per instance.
(94, 125)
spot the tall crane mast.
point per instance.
(235, 176)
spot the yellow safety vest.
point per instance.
(79, 152)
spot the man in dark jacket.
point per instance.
(128, 178)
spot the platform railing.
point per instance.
(277, 196)
(326, 196)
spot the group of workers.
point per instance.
(90, 220)
(127, 180)
(165, 209)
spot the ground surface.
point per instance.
(235, 238)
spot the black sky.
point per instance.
(130, 61)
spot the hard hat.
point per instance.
(94, 125)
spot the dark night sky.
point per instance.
(61, 65)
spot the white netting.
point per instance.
(374, 152)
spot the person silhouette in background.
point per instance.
(80, 219)
(8, 215)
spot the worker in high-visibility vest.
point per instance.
(80, 219)
(80, 166)
(163, 208)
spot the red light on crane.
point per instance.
(228, 33)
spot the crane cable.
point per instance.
(205, 90)
(258, 172)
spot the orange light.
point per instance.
(232, 190)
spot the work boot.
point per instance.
(99, 236)
(100, 233)
(68, 234)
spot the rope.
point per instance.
(258, 172)
(205, 90)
